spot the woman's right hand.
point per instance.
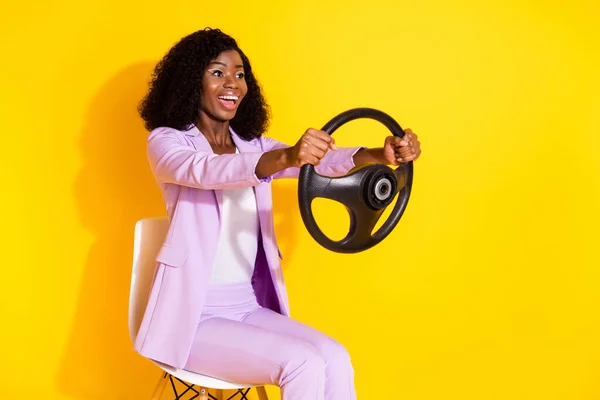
(310, 148)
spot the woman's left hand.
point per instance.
(400, 150)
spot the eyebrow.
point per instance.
(223, 64)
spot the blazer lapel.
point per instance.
(205, 146)
(243, 147)
(262, 192)
(241, 144)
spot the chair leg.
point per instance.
(262, 393)
(160, 387)
(219, 394)
(203, 393)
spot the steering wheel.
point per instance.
(366, 191)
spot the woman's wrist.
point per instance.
(285, 158)
(272, 162)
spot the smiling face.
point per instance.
(223, 86)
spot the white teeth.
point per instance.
(234, 98)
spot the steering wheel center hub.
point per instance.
(380, 189)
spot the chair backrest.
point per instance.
(149, 235)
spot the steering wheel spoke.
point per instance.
(402, 176)
(341, 189)
(363, 220)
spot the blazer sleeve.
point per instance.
(172, 160)
(334, 163)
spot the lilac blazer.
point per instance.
(191, 178)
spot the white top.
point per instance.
(238, 241)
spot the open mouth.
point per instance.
(229, 101)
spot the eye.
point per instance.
(240, 75)
(216, 72)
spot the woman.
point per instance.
(218, 305)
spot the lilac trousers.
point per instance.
(239, 341)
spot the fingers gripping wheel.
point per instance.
(366, 192)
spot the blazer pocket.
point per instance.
(171, 256)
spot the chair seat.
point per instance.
(201, 380)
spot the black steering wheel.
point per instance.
(366, 191)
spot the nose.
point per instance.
(230, 82)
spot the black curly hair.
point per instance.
(173, 99)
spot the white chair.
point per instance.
(149, 236)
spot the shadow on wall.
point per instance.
(114, 189)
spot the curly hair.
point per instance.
(174, 97)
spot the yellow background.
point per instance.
(488, 288)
